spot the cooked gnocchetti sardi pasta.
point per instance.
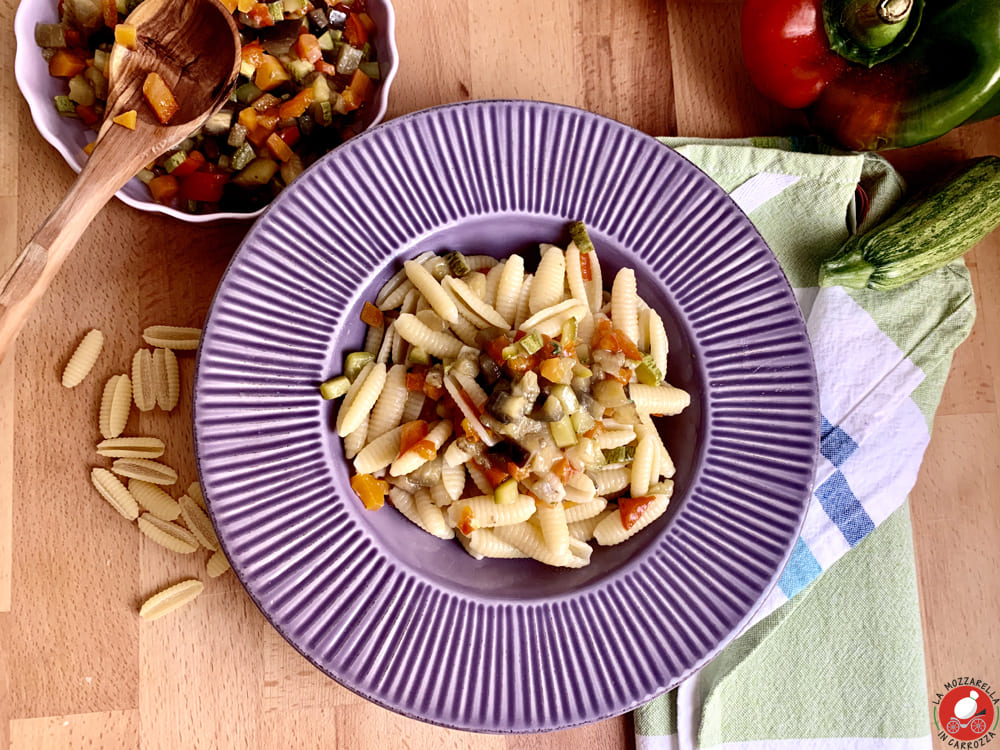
(510, 410)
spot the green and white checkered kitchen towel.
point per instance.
(834, 659)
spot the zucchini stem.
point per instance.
(850, 270)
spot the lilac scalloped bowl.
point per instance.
(412, 622)
(69, 136)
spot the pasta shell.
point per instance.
(112, 490)
(167, 379)
(199, 523)
(166, 534)
(172, 337)
(83, 358)
(171, 598)
(154, 500)
(116, 405)
(194, 492)
(143, 380)
(131, 447)
(217, 564)
(145, 469)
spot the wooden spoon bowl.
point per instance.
(194, 46)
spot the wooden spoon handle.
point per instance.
(24, 283)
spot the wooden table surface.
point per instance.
(78, 669)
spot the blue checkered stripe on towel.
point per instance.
(839, 502)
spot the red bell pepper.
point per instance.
(206, 187)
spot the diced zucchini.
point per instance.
(323, 113)
(101, 61)
(80, 90)
(563, 434)
(237, 138)
(300, 69)
(566, 397)
(277, 11)
(247, 92)
(293, 6)
(371, 69)
(568, 334)
(619, 455)
(531, 343)
(243, 156)
(122, 6)
(145, 176)
(247, 69)
(417, 356)
(583, 422)
(321, 89)
(65, 106)
(258, 172)
(551, 410)
(610, 393)
(328, 39)
(355, 363)
(581, 238)
(49, 35)
(647, 372)
(581, 371)
(174, 160)
(511, 351)
(506, 492)
(334, 387)
(224, 161)
(218, 124)
(348, 59)
(456, 263)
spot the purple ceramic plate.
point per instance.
(412, 622)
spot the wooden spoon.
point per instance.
(194, 46)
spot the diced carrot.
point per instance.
(327, 69)
(230, 5)
(160, 97)
(270, 73)
(631, 509)
(267, 120)
(415, 381)
(425, 449)
(355, 31)
(433, 392)
(411, 434)
(563, 469)
(298, 104)
(126, 119)
(66, 64)
(372, 316)
(164, 188)
(520, 473)
(247, 118)
(469, 431)
(467, 521)
(494, 474)
(307, 47)
(370, 490)
(244, 6)
(361, 85)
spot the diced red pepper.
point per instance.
(415, 381)
(411, 434)
(494, 474)
(372, 491)
(109, 12)
(631, 509)
(520, 473)
(290, 136)
(355, 31)
(466, 523)
(585, 270)
(563, 469)
(87, 114)
(259, 16)
(613, 340)
(433, 392)
(325, 68)
(425, 449)
(160, 97)
(253, 53)
(203, 186)
(307, 47)
(298, 104)
(73, 38)
(194, 161)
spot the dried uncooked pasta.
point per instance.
(194, 492)
(143, 380)
(170, 599)
(198, 523)
(153, 499)
(83, 358)
(166, 376)
(116, 405)
(131, 447)
(112, 490)
(172, 337)
(217, 564)
(146, 469)
(170, 535)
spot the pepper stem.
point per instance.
(870, 31)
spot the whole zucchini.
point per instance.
(930, 230)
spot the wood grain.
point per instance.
(78, 668)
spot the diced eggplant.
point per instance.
(504, 406)
(337, 18)
(551, 410)
(278, 39)
(318, 19)
(489, 369)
